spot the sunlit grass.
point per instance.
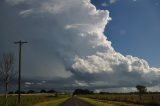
(55, 102)
(96, 103)
(28, 100)
(147, 99)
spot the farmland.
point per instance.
(146, 99)
(29, 100)
(88, 100)
(49, 100)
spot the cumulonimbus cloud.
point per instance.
(75, 31)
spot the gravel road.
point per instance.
(75, 102)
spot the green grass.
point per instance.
(96, 103)
(28, 100)
(147, 99)
(56, 102)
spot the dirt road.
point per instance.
(75, 102)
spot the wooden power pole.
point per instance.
(19, 75)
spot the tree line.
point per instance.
(33, 91)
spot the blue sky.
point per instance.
(135, 27)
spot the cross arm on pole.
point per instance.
(20, 42)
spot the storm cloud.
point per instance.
(66, 40)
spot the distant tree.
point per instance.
(51, 91)
(11, 92)
(16, 92)
(22, 92)
(7, 71)
(82, 91)
(43, 91)
(141, 89)
(104, 93)
(31, 92)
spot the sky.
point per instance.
(132, 21)
(109, 45)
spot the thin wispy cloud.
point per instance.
(134, 0)
(104, 4)
(113, 1)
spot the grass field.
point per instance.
(96, 103)
(54, 102)
(95, 99)
(29, 100)
(147, 99)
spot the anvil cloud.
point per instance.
(67, 40)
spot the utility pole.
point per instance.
(20, 43)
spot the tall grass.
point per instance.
(55, 102)
(96, 103)
(27, 100)
(147, 99)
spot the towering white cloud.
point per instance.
(73, 31)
